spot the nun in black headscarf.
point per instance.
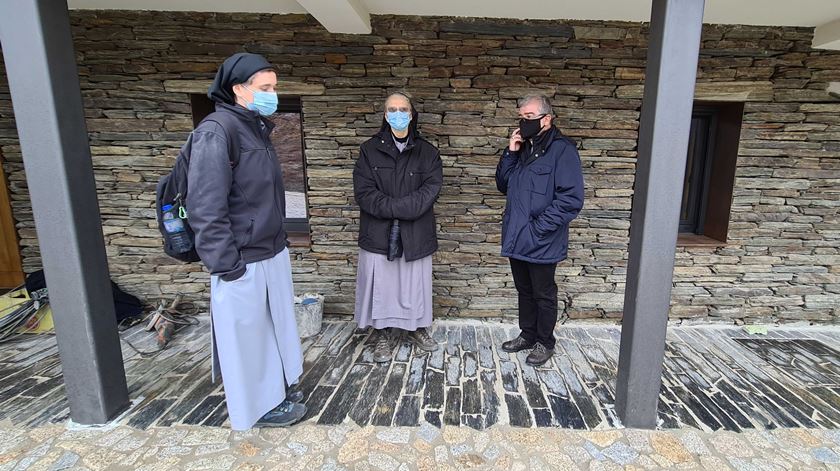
(396, 181)
(236, 206)
(236, 69)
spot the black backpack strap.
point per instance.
(227, 122)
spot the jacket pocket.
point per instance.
(539, 177)
(383, 174)
(415, 180)
(244, 239)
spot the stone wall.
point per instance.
(783, 257)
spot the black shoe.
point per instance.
(517, 345)
(293, 395)
(286, 414)
(539, 355)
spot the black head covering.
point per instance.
(412, 126)
(237, 68)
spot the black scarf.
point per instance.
(536, 146)
(236, 69)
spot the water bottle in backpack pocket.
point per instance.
(176, 231)
(171, 193)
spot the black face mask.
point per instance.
(529, 128)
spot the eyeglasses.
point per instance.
(394, 109)
(532, 117)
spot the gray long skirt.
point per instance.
(393, 294)
(255, 338)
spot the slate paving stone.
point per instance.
(403, 351)
(712, 379)
(566, 414)
(542, 418)
(452, 413)
(518, 410)
(408, 413)
(468, 339)
(433, 418)
(345, 396)
(217, 418)
(471, 403)
(316, 401)
(416, 375)
(151, 412)
(362, 409)
(453, 371)
(473, 421)
(383, 413)
(489, 398)
(434, 395)
(510, 378)
(200, 413)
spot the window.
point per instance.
(710, 172)
(287, 137)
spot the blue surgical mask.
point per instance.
(398, 120)
(265, 103)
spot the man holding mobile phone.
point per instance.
(540, 173)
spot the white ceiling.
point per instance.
(752, 12)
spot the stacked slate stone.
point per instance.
(783, 254)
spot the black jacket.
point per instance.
(391, 185)
(236, 209)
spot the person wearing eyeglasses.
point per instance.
(540, 174)
(397, 179)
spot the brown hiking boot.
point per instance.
(422, 340)
(382, 351)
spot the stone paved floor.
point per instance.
(715, 378)
(349, 447)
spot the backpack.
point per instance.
(126, 306)
(172, 187)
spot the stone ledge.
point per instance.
(283, 87)
(714, 91)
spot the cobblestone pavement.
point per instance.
(349, 447)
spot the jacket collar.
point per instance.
(385, 142)
(540, 144)
(248, 116)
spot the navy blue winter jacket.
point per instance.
(544, 187)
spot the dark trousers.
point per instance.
(537, 300)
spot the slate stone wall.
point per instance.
(783, 257)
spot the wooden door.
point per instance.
(11, 273)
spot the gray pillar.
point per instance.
(674, 46)
(41, 68)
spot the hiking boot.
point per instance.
(539, 355)
(286, 414)
(294, 395)
(382, 351)
(422, 340)
(517, 345)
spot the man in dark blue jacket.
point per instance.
(540, 174)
